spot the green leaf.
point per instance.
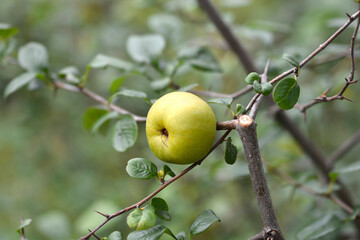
(167, 25)
(115, 236)
(188, 87)
(7, 31)
(33, 57)
(104, 119)
(320, 228)
(91, 116)
(225, 101)
(354, 167)
(70, 74)
(286, 93)
(153, 233)
(200, 58)
(230, 152)
(144, 48)
(266, 88)
(130, 93)
(125, 133)
(180, 236)
(142, 219)
(18, 82)
(203, 222)
(333, 176)
(291, 59)
(355, 213)
(104, 61)
(161, 208)
(240, 109)
(168, 171)
(257, 86)
(115, 84)
(24, 224)
(251, 77)
(160, 83)
(141, 168)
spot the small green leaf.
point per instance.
(266, 88)
(24, 224)
(333, 176)
(320, 228)
(141, 168)
(103, 120)
(203, 222)
(125, 133)
(225, 101)
(180, 236)
(251, 77)
(144, 48)
(161, 208)
(354, 167)
(291, 59)
(130, 93)
(188, 87)
(7, 31)
(160, 83)
(153, 233)
(33, 57)
(240, 109)
(257, 86)
(91, 116)
(286, 93)
(168, 171)
(18, 82)
(200, 58)
(115, 236)
(70, 74)
(355, 213)
(142, 219)
(103, 61)
(115, 84)
(230, 152)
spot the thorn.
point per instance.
(346, 80)
(346, 98)
(94, 235)
(102, 214)
(325, 92)
(349, 16)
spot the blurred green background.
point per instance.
(56, 173)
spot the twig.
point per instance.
(163, 186)
(247, 132)
(22, 230)
(344, 148)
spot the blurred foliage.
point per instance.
(56, 173)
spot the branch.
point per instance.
(247, 131)
(97, 98)
(166, 183)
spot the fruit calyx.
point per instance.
(164, 133)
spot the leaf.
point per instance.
(225, 101)
(286, 93)
(144, 48)
(257, 86)
(161, 208)
(240, 109)
(203, 222)
(91, 116)
(167, 25)
(251, 77)
(7, 31)
(115, 236)
(355, 213)
(160, 83)
(291, 59)
(130, 93)
(168, 171)
(70, 74)
(24, 224)
(142, 219)
(230, 152)
(115, 85)
(33, 57)
(18, 82)
(53, 224)
(266, 88)
(104, 61)
(180, 236)
(125, 133)
(320, 228)
(200, 58)
(188, 87)
(103, 120)
(354, 167)
(141, 168)
(153, 233)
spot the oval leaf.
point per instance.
(203, 222)
(115, 236)
(18, 83)
(286, 93)
(141, 168)
(251, 77)
(230, 152)
(257, 86)
(103, 61)
(33, 57)
(291, 59)
(24, 224)
(142, 219)
(153, 233)
(266, 88)
(92, 116)
(104, 119)
(124, 133)
(144, 48)
(130, 93)
(225, 101)
(200, 58)
(7, 31)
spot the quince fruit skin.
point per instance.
(180, 128)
